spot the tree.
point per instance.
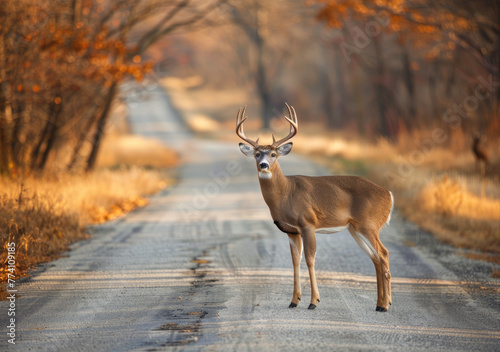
(61, 63)
(267, 39)
(446, 29)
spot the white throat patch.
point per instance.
(265, 175)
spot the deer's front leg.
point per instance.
(309, 239)
(296, 250)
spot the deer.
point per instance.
(480, 153)
(302, 206)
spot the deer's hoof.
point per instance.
(311, 306)
(292, 305)
(381, 309)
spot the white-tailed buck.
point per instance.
(302, 206)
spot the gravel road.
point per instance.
(203, 268)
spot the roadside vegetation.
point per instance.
(43, 215)
(63, 165)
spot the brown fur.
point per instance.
(302, 204)
(300, 200)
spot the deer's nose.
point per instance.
(264, 165)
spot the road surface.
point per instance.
(203, 268)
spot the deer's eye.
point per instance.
(257, 154)
(273, 155)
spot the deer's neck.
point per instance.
(275, 188)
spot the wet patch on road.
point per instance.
(194, 304)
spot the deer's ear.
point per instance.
(284, 149)
(246, 149)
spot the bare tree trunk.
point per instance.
(79, 143)
(496, 103)
(410, 84)
(4, 159)
(329, 106)
(23, 147)
(257, 34)
(43, 136)
(52, 135)
(261, 80)
(262, 86)
(36, 151)
(340, 107)
(5, 110)
(17, 124)
(450, 82)
(77, 10)
(96, 143)
(435, 113)
(379, 87)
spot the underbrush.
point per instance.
(39, 227)
(447, 207)
(42, 216)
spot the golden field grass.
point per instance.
(448, 207)
(435, 185)
(137, 151)
(42, 216)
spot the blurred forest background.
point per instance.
(377, 68)
(396, 90)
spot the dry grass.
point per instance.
(450, 198)
(135, 150)
(39, 226)
(455, 215)
(43, 216)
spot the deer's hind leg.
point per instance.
(296, 250)
(309, 239)
(368, 240)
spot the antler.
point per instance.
(294, 127)
(240, 118)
